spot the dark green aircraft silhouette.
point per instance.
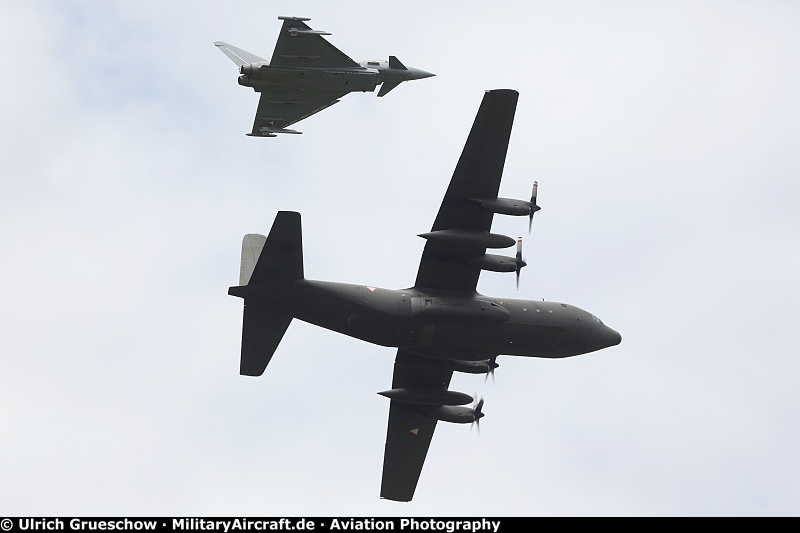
(441, 324)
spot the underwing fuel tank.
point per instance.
(428, 397)
(441, 311)
(462, 237)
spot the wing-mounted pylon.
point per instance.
(296, 29)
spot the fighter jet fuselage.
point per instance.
(263, 76)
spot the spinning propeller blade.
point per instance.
(477, 411)
(534, 207)
(520, 262)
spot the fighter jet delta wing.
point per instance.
(300, 46)
(279, 108)
(456, 249)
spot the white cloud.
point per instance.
(662, 136)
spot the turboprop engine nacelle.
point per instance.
(494, 263)
(456, 415)
(505, 206)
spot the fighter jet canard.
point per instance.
(308, 74)
(440, 325)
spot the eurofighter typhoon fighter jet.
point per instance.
(440, 325)
(308, 74)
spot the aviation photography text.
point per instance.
(232, 525)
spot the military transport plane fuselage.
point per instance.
(441, 324)
(308, 74)
(459, 331)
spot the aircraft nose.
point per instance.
(601, 336)
(418, 74)
(611, 337)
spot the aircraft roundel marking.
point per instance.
(372, 289)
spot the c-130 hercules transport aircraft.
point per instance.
(441, 324)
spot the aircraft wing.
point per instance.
(300, 46)
(477, 176)
(278, 108)
(409, 431)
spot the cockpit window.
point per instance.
(596, 319)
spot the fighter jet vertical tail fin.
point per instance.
(268, 264)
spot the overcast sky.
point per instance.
(664, 136)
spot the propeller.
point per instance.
(492, 365)
(534, 207)
(478, 413)
(520, 262)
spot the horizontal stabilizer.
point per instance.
(263, 328)
(237, 55)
